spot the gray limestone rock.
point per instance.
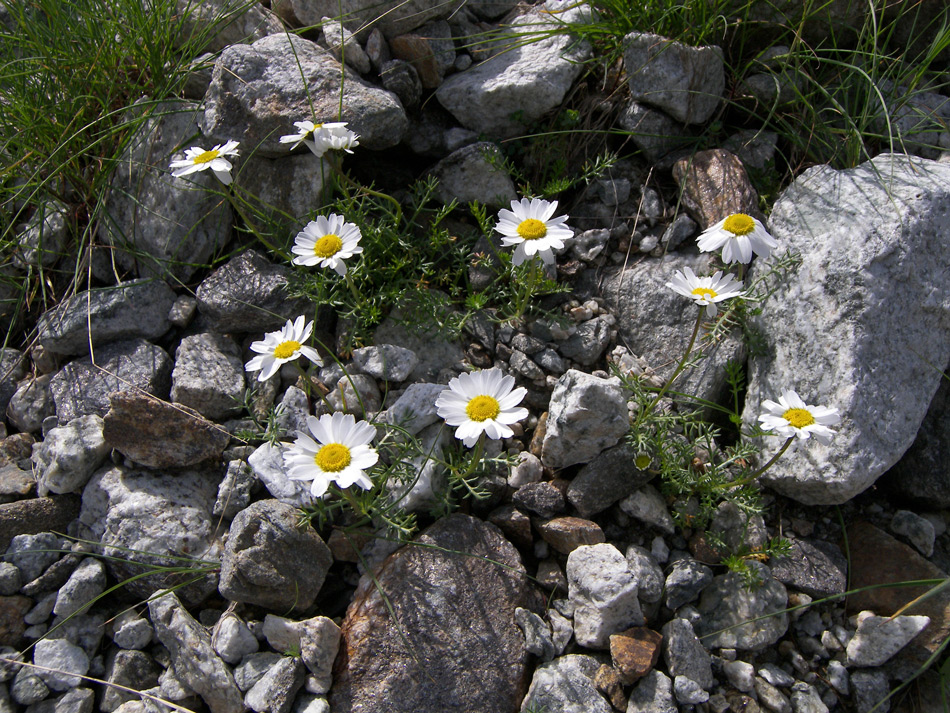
(392, 17)
(817, 568)
(656, 134)
(870, 688)
(257, 93)
(31, 404)
(415, 409)
(86, 583)
(386, 361)
(344, 46)
(12, 370)
(270, 561)
(275, 691)
(588, 342)
(267, 462)
(32, 554)
(402, 79)
(453, 578)
(646, 573)
(219, 23)
(234, 493)
(232, 639)
(81, 388)
(537, 634)
(286, 185)
(208, 375)
(653, 694)
(76, 700)
(685, 655)
(587, 415)
(192, 655)
(69, 661)
(728, 603)
(163, 515)
(604, 593)
(28, 688)
(317, 639)
(655, 322)
(248, 294)
(566, 685)
(42, 240)
(917, 529)
(878, 638)
(868, 293)
(531, 76)
(134, 670)
(474, 173)
(805, 699)
(69, 455)
(648, 506)
(131, 631)
(685, 82)
(162, 223)
(687, 578)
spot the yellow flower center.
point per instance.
(333, 457)
(207, 156)
(798, 417)
(643, 461)
(704, 292)
(328, 245)
(739, 224)
(532, 229)
(482, 408)
(287, 349)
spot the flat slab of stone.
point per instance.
(109, 314)
(29, 517)
(862, 325)
(157, 434)
(454, 643)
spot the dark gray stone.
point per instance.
(132, 669)
(541, 498)
(817, 568)
(588, 343)
(609, 477)
(209, 375)
(566, 685)
(270, 561)
(248, 294)
(685, 655)
(109, 314)
(687, 578)
(81, 388)
(402, 79)
(275, 691)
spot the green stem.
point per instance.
(676, 373)
(385, 196)
(352, 286)
(476, 458)
(233, 200)
(748, 479)
(530, 284)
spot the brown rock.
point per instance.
(435, 629)
(878, 558)
(417, 51)
(157, 434)
(537, 438)
(346, 546)
(566, 534)
(551, 577)
(635, 652)
(28, 517)
(514, 523)
(714, 184)
(12, 611)
(608, 682)
(15, 448)
(15, 484)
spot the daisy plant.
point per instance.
(792, 418)
(479, 404)
(739, 235)
(328, 241)
(320, 138)
(198, 159)
(531, 228)
(283, 346)
(705, 292)
(336, 450)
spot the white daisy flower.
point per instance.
(705, 291)
(739, 235)
(327, 242)
(340, 453)
(278, 348)
(321, 137)
(197, 159)
(529, 225)
(793, 417)
(481, 402)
